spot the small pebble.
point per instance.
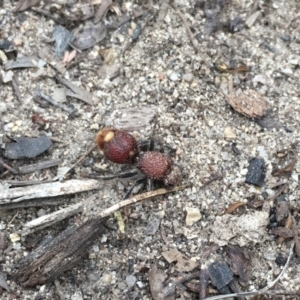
(211, 123)
(229, 133)
(41, 212)
(130, 280)
(14, 237)
(18, 41)
(174, 76)
(7, 77)
(188, 77)
(193, 215)
(95, 126)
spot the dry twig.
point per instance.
(47, 190)
(57, 216)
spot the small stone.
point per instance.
(41, 212)
(130, 280)
(95, 126)
(211, 123)
(14, 237)
(188, 77)
(18, 41)
(174, 76)
(193, 215)
(229, 133)
(107, 278)
(77, 296)
(15, 128)
(8, 76)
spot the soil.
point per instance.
(178, 62)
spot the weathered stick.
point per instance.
(50, 219)
(59, 254)
(139, 198)
(63, 252)
(55, 217)
(39, 166)
(48, 190)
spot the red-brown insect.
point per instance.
(121, 147)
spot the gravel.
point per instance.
(162, 71)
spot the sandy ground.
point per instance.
(162, 71)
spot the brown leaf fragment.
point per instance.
(156, 282)
(233, 207)
(85, 11)
(131, 119)
(282, 231)
(223, 68)
(296, 230)
(204, 277)
(153, 224)
(46, 54)
(2, 241)
(286, 170)
(25, 4)
(183, 263)
(15, 85)
(109, 71)
(282, 210)
(89, 36)
(102, 10)
(78, 92)
(57, 255)
(240, 262)
(249, 103)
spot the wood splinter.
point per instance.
(63, 252)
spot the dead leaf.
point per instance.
(102, 10)
(89, 36)
(282, 210)
(296, 229)
(25, 4)
(109, 71)
(156, 282)
(131, 119)
(69, 56)
(223, 68)
(79, 92)
(286, 170)
(240, 262)
(46, 54)
(85, 11)
(249, 103)
(153, 224)
(233, 207)
(3, 242)
(183, 264)
(282, 231)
